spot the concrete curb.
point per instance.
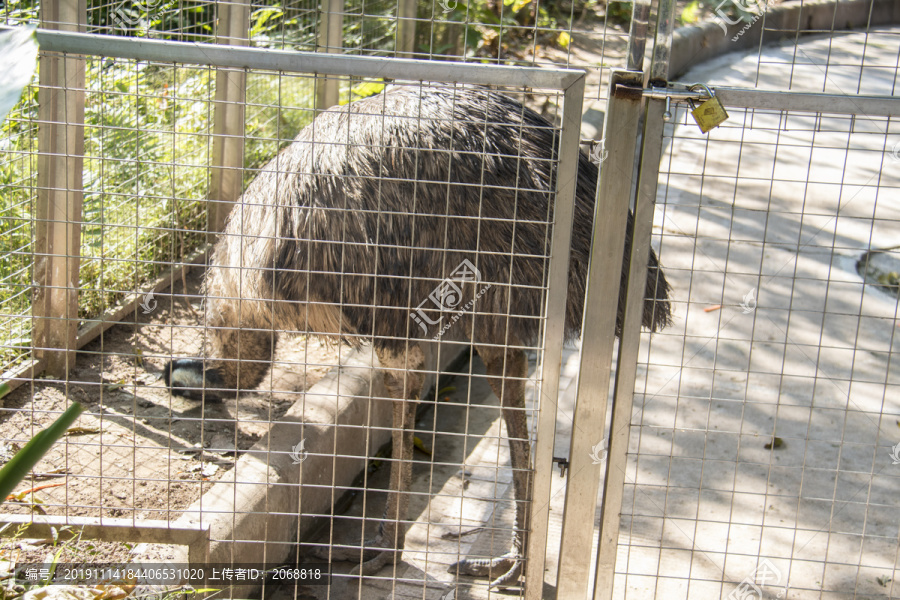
(252, 512)
(696, 44)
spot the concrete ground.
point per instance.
(765, 418)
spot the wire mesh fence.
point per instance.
(762, 444)
(17, 169)
(146, 456)
(761, 460)
(147, 97)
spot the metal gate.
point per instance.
(752, 446)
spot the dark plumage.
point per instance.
(351, 227)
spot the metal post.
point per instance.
(331, 39)
(563, 217)
(598, 333)
(629, 344)
(613, 485)
(637, 36)
(228, 119)
(406, 28)
(59, 195)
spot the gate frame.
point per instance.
(657, 98)
(627, 113)
(570, 82)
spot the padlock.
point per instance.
(710, 113)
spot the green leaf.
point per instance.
(420, 446)
(366, 89)
(691, 13)
(516, 5)
(19, 465)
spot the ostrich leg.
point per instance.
(404, 380)
(507, 370)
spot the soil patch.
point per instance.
(137, 452)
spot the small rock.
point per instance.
(148, 378)
(222, 443)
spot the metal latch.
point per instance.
(709, 114)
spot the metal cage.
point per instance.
(748, 450)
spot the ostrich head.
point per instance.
(186, 377)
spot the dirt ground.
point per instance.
(136, 451)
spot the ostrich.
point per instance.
(348, 230)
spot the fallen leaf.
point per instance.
(82, 430)
(20, 495)
(776, 443)
(420, 446)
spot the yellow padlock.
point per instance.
(710, 113)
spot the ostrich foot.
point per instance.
(510, 566)
(375, 554)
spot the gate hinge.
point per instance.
(563, 465)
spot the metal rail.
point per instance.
(195, 537)
(788, 101)
(304, 62)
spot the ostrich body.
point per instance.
(365, 216)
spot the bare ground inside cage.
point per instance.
(137, 452)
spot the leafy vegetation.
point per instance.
(493, 29)
(18, 467)
(735, 10)
(148, 149)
